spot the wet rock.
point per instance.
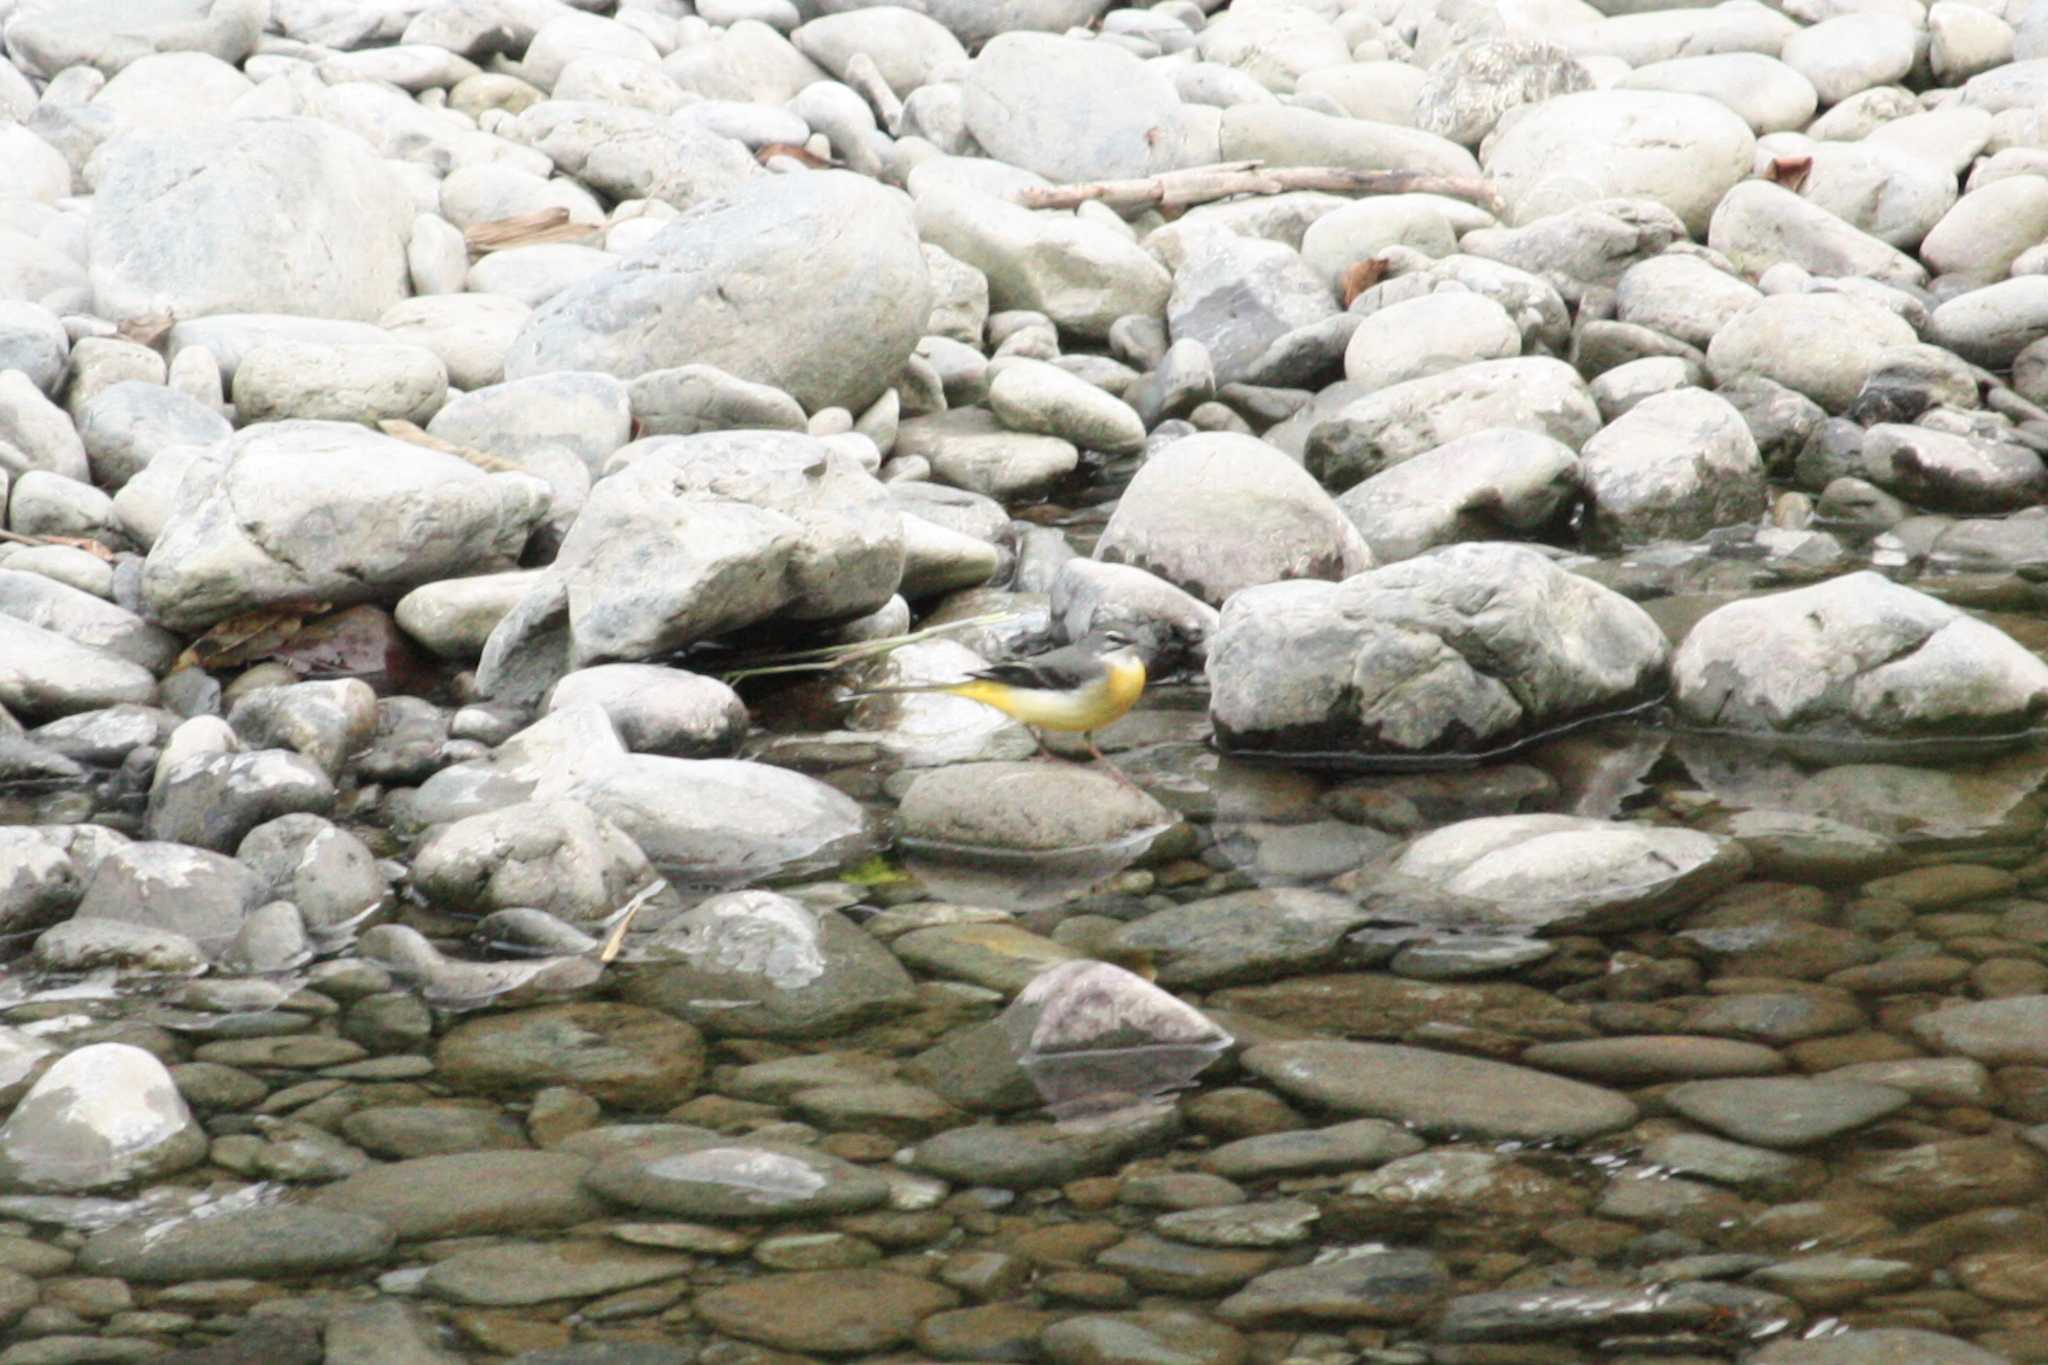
(1349, 1146)
(1784, 1111)
(257, 1242)
(1036, 1155)
(1880, 1346)
(1025, 807)
(328, 873)
(202, 895)
(1218, 512)
(328, 722)
(1522, 1315)
(1561, 872)
(2012, 1031)
(1172, 1268)
(1159, 1336)
(1438, 1092)
(1822, 345)
(1093, 1037)
(874, 282)
(1245, 936)
(84, 618)
(1408, 659)
(1239, 295)
(105, 1115)
(1856, 657)
(735, 1179)
(829, 1311)
(621, 1054)
(1640, 1059)
(468, 1194)
(1378, 1005)
(526, 1273)
(557, 856)
(214, 800)
(753, 963)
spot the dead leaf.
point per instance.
(358, 642)
(1360, 276)
(146, 331)
(770, 150)
(526, 229)
(1789, 171)
(412, 434)
(91, 547)
(246, 639)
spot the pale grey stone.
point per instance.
(968, 448)
(659, 710)
(1030, 395)
(636, 154)
(1758, 225)
(227, 337)
(44, 675)
(1822, 345)
(1081, 274)
(35, 433)
(85, 619)
(125, 427)
(1965, 41)
(693, 398)
(1387, 426)
(1489, 485)
(1850, 53)
(1893, 193)
(906, 45)
(1684, 151)
(487, 191)
(874, 282)
(1275, 44)
(1473, 84)
(1993, 324)
(1946, 472)
(253, 215)
(455, 616)
(1684, 297)
(1284, 135)
(1559, 873)
(1855, 657)
(473, 334)
(1215, 513)
(1770, 96)
(105, 1115)
(561, 40)
(32, 340)
(1308, 667)
(1985, 231)
(46, 36)
(349, 383)
(747, 61)
(262, 530)
(1429, 335)
(1585, 247)
(1674, 467)
(1662, 34)
(535, 274)
(1237, 295)
(1070, 109)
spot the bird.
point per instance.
(1077, 688)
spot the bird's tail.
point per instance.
(905, 689)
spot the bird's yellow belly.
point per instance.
(1086, 708)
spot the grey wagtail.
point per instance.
(1077, 688)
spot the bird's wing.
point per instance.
(1057, 671)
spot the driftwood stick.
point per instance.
(1200, 184)
(866, 79)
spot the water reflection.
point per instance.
(1095, 1039)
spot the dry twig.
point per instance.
(1201, 184)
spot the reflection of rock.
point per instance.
(1093, 1037)
(1994, 801)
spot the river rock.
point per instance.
(1217, 512)
(1857, 657)
(1070, 110)
(1564, 872)
(1682, 150)
(873, 286)
(735, 1179)
(245, 1240)
(1438, 1092)
(1489, 485)
(469, 1194)
(1082, 274)
(1823, 345)
(247, 216)
(756, 964)
(262, 531)
(695, 536)
(107, 1114)
(1425, 656)
(1673, 467)
(47, 36)
(835, 1312)
(1383, 428)
(199, 894)
(621, 1054)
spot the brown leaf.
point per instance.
(770, 150)
(358, 642)
(146, 331)
(525, 229)
(246, 639)
(1360, 276)
(91, 547)
(1789, 171)
(412, 434)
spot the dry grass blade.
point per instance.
(1201, 184)
(829, 657)
(406, 431)
(146, 331)
(247, 638)
(526, 229)
(91, 547)
(616, 939)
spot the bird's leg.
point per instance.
(1088, 738)
(1038, 736)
